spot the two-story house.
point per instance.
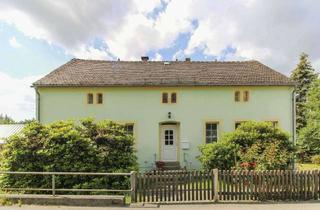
(171, 107)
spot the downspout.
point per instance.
(294, 122)
(38, 104)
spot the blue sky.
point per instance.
(35, 40)
(32, 57)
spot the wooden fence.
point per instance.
(175, 186)
(225, 185)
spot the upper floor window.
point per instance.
(165, 98)
(173, 98)
(211, 132)
(90, 98)
(128, 128)
(99, 98)
(246, 96)
(237, 96)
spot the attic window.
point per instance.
(173, 98)
(90, 98)
(246, 96)
(164, 98)
(99, 98)
(237, 96)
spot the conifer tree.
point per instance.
(303, 75)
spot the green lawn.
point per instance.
(308, 166)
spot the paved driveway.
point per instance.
(282, 206)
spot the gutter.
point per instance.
(38, 104)
(294, 116)
(294, 123)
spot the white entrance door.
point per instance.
(169, 142)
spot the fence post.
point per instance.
(216, 184)
(133, 186)
(53, 185)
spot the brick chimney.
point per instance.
(144, 58)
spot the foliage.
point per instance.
(218, 155)
(5, 119)
(63, 147)
(308, 166)
(315, 159)
(303, 75)
(309, 136)
(309, 141)
(253, 145)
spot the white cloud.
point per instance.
(14, 43)
(17, 98)
(273, 31)
(158, 57)
(91, 53)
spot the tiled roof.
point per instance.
(8, 130)
(78, 72)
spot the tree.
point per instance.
(253, 145)
(309, 136)
(5, 119)
(303, 75)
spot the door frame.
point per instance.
(160, 140)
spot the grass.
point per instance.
(308, 166)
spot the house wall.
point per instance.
(195, 106)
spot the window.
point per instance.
(128, 129)
(173, 98)
(237, 96)
(237, 124)
(99, 98)
(165, 98)
(274, 123)
(168, 137)
(211, 132)
(90, 98)
(246, 95)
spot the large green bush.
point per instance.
(253, 145)
(66, 147)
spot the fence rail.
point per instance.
(54, 189)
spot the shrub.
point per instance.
(218, 155)
(315, 159)
(63, 147)
(255, 145)
(309, 141)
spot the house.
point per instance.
(170, 107)
(7, 130)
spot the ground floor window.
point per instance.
(129, 128)
(211, 132)
(238, 123)
(274, 123)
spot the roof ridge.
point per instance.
(152, 61)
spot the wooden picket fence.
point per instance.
(174, 186)
(225, 185)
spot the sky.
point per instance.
(37, 36)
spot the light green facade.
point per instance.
(195, 106)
